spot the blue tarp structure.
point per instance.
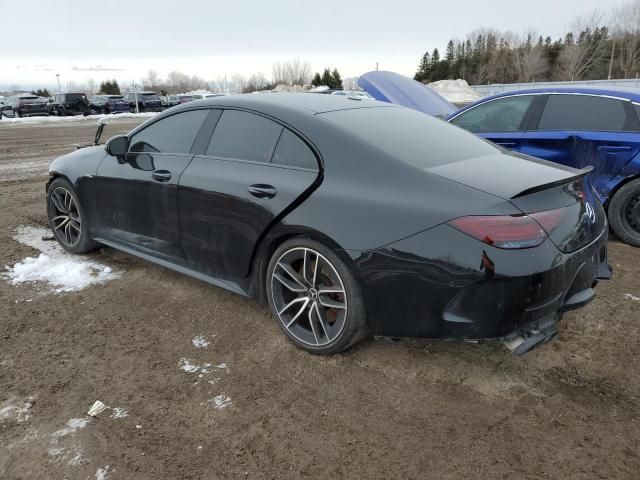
(395, 88)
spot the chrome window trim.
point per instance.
(543, 93)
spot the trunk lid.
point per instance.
(561, 199)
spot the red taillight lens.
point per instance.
(550, 219)
(502, 231)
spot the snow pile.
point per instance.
(291, 88)
(199, 341)
(455, 91)
(76, 118)
(61, 270)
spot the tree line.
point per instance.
(595, 47)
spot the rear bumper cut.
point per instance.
(437, 285)
(503, 307)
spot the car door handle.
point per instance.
(262, 191)
(614, 148)
(161, 175)
(507, 144)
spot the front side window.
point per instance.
(244, 136)
(293, 152)
(501, 115)
(585, 112)
(174, 134)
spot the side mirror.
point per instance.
(117, 146)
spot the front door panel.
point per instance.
(137, 201)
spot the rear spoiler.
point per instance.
(544, 186)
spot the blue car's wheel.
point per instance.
(624, 213)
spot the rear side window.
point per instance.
(501, 115)
(292, 151)
(584, 112)
(174, 134)
(244, 136)
(411, 136)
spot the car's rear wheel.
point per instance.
(315, 297)
(624, 213)
(67, 219)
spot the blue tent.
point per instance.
(395, 88)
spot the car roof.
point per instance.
(629, 93)
(295, 101)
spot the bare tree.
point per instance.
(292, 72)
(91, 85)
(530, 61)
(626, 35)
(350, 83)
(579, 56)
(152, 78)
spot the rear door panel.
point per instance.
(221, 221)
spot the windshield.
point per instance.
(72, 97)
(115, 98)
(411, 136)
(149, 96)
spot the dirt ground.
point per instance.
(415, 409)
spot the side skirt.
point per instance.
(218, 282)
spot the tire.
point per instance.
(61, 112)
(72, 233)
(624, 213)
(321, 323)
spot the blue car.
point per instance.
(579, 127)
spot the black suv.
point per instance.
(73, 103)
(25, 105)
(147, 101)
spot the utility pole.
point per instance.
(613, 50)
(135, 96)
(376, 66)
(58, 77)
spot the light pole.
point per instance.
(58, 78)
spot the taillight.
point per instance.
(502, 231)
(550, 219)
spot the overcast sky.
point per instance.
(120, 39)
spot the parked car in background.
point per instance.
(70, 103)
(578, 127)
(147, 101)
(108, 104)
(200, 96)
(25, 105)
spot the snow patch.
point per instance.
(199, 342)
(119, 413)
(455, 91)
(74, 119)
(102, 473)
(73, 425)
(631, 297)
(220, 401)
(63, 271)
(189, 367)
(19, 410)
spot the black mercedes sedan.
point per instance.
(348, 218)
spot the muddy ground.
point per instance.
(422, 409)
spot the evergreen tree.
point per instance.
(317, 81)
(337, 80)
(327, 78)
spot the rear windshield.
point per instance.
(31, 99)
(415, 137)
(115, 97)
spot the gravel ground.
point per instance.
(250, 405)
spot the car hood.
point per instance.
(400, 90)
(507, 175)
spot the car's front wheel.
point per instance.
(624, 213)
(315, 297)
(67, 219)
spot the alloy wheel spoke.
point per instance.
(331, 303)
(315, 270)
(314, 327)
(57, 202)
(75, 226)
(63, 223)
(304, 300)
(321, 319)
(299, 312)
(292, 274)
(291, 286)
